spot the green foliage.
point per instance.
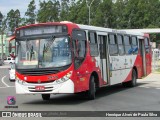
(137, 13)
(3, 24)
(120, 14)
(13, 20)
(81, 12)
(64, 13)
(104, 14)
(30, 13)
(49, 11)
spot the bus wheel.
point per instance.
(92, 89)
(134, 79)
(133, 82)
(45, 96)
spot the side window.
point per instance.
(147, 45)
(79, 43)
(120, 44)
(113, 47)
(93, 44)
(134, 44)
(127, 45)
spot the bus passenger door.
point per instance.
(142, 56)
(104, 57)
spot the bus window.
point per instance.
(93, 44)
(79, 44)
(134, 45)
(113, 48)
(79, 41)
(127, 45)
(120, 44)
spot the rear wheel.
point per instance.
(134, 78)
(133, 82)
(92, 89)
(45, 96)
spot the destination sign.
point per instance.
(38, 30)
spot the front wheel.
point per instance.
(45, 96)
(92, 89)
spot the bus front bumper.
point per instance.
(49, 88)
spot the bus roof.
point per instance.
(149, 30)
(87, 27)
(102, 29)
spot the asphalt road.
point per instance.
(144, 97)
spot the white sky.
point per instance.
(22, 5)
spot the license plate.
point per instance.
(39, 88)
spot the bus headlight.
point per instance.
(61, 80)
(69, 74)
(65, 78)
(20, 81)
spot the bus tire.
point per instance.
(133, 82)
(45, 96)
(92, 89)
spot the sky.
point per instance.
(22, 5)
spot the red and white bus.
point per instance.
(64, 57)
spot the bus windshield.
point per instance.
(43, 53)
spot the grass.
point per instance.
(158, 70)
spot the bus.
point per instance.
(65, 57)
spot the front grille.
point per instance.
(45, 88)
(40, 82)
(40, 91)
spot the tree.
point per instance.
(17, 18)
(137, 13)
(49, 11)
(119, 14)
(13, 20)
(104, 14)
(64, 10)
(73, 10)
(2, 31)
(82, 12)
(31, 13)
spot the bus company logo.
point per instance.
(11, 100)
(39, 81)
